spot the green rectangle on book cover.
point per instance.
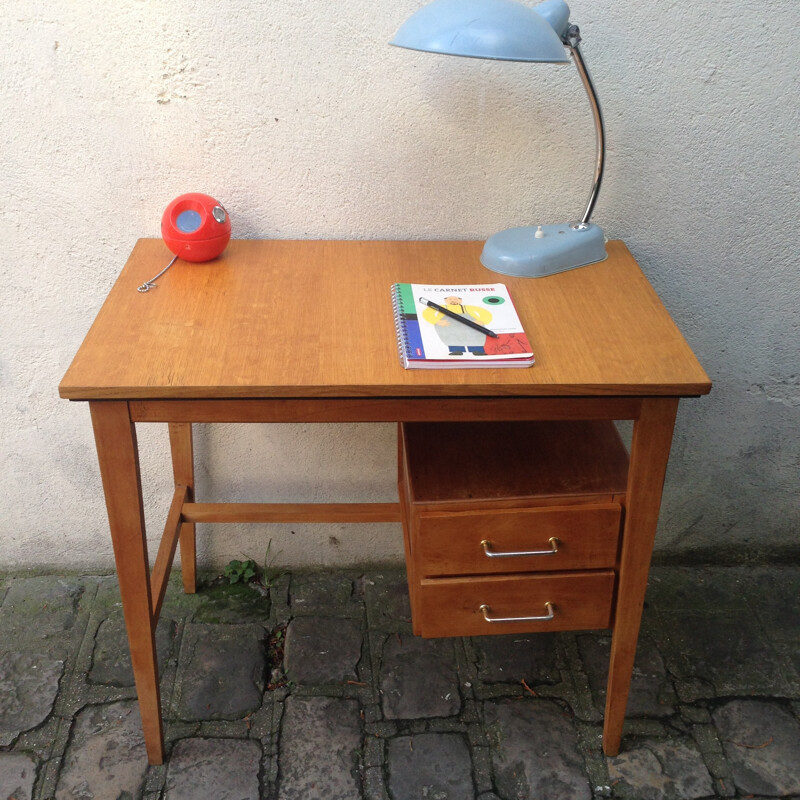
(406, 299)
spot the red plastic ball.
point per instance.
(196, 227)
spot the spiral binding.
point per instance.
(402, 339)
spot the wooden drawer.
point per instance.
(452, 606)
(487, 542)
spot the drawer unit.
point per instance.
(555, 601)
(511, 527)
(580, 536)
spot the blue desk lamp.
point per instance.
(507, 30)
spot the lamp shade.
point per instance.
(504, 30)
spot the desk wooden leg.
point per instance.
(118, 455)
(180, 442)
(652, 438)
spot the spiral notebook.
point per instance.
(438, 338)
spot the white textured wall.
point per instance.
(304, 123)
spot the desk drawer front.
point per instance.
(518, 540)
(460, 606)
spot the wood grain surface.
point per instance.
(314, 319)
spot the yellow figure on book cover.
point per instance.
(459, 338)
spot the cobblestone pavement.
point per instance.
(317, 688)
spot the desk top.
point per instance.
(314, 319)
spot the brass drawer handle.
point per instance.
(486, 544)
(550, 614)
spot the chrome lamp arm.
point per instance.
(572, 39)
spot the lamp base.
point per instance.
(533, 252)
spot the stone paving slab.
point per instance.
(221, 675)
(106, 756)
(17, 773)
(436, 765)
(28, 690)
(371, 712)
(419, 678)
(222, 769)
(660, 770)
(535, 750)
(319, 753)
(762, 743)
(322, 650)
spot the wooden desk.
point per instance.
(302, 331)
